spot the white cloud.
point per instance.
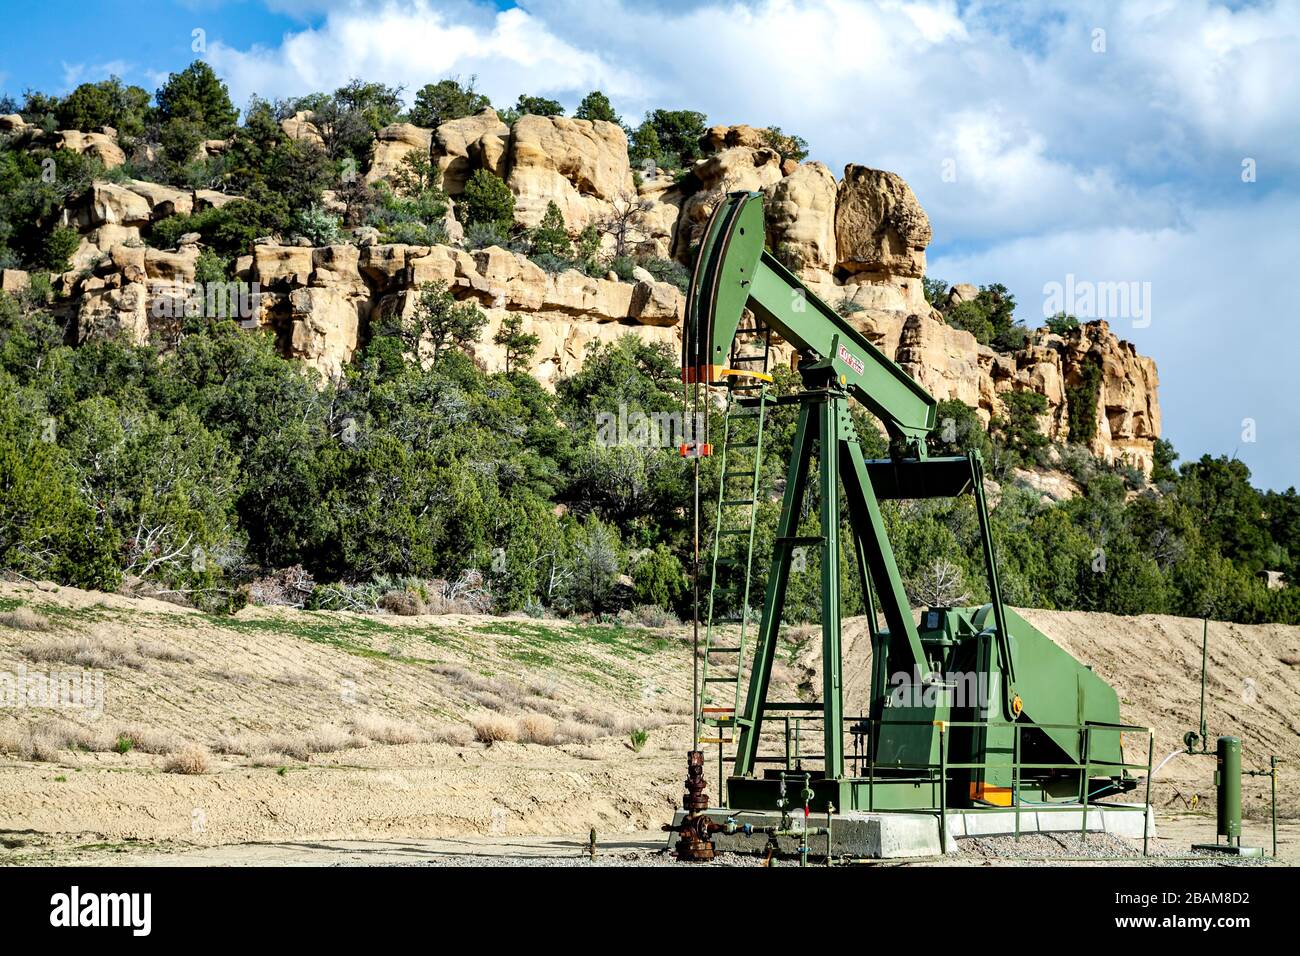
(74, 74)
(410, 44)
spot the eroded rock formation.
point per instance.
(858, 242)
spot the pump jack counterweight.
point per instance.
(1027, 699)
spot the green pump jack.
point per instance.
(971, 708)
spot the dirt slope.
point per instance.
(273, 681)
(341, 726)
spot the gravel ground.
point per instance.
(1032, 849)
(1050, 848)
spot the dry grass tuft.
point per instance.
(383, 730)
(84, 653)
(324, 740)
(299, 679)
(45, 740)
(801, 634)
(618, 724)
(24, 619)
(454, 735)
(40, 745)
(93, 739)
(496, 694)
(238, 678)
(11, 738)
(149, 741)
(537, 729)
(594, 717)
(783, 674)
(491, 728)
(158, 651)
(190, 759)
(544, 705)
(242, 745)
(654, 617)
(295, 747)
(539, 687)
(677, 707)
(489, 701)
(574, 732)
(457, 675)
(405, 603)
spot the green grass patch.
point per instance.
(320, 627)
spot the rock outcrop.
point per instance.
(393, 144)
(1128, 408)
(880, 228)
(732, 169)
(473, 142)
(801, 219)
(580, 165)
(109, 215)
(322, 302)
(718, 138)
(300, 126)
(102, 146)
(14, 281)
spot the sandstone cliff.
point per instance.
(858, 242)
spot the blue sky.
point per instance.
(1154, 142)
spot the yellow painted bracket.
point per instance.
(745, 373)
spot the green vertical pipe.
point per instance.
(1015, 776)
(1083, 786)
(943, 785)
(1146, 809)
(873, 734)
(832, 704)
(1205, 640)
(1228, 782)
(1272, 764)
(755, 484)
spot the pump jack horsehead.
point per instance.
(1043, 712)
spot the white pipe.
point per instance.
(1165, 761)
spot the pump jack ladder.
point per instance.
(739, 480)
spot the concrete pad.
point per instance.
(902, 835)
(1101, 819)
